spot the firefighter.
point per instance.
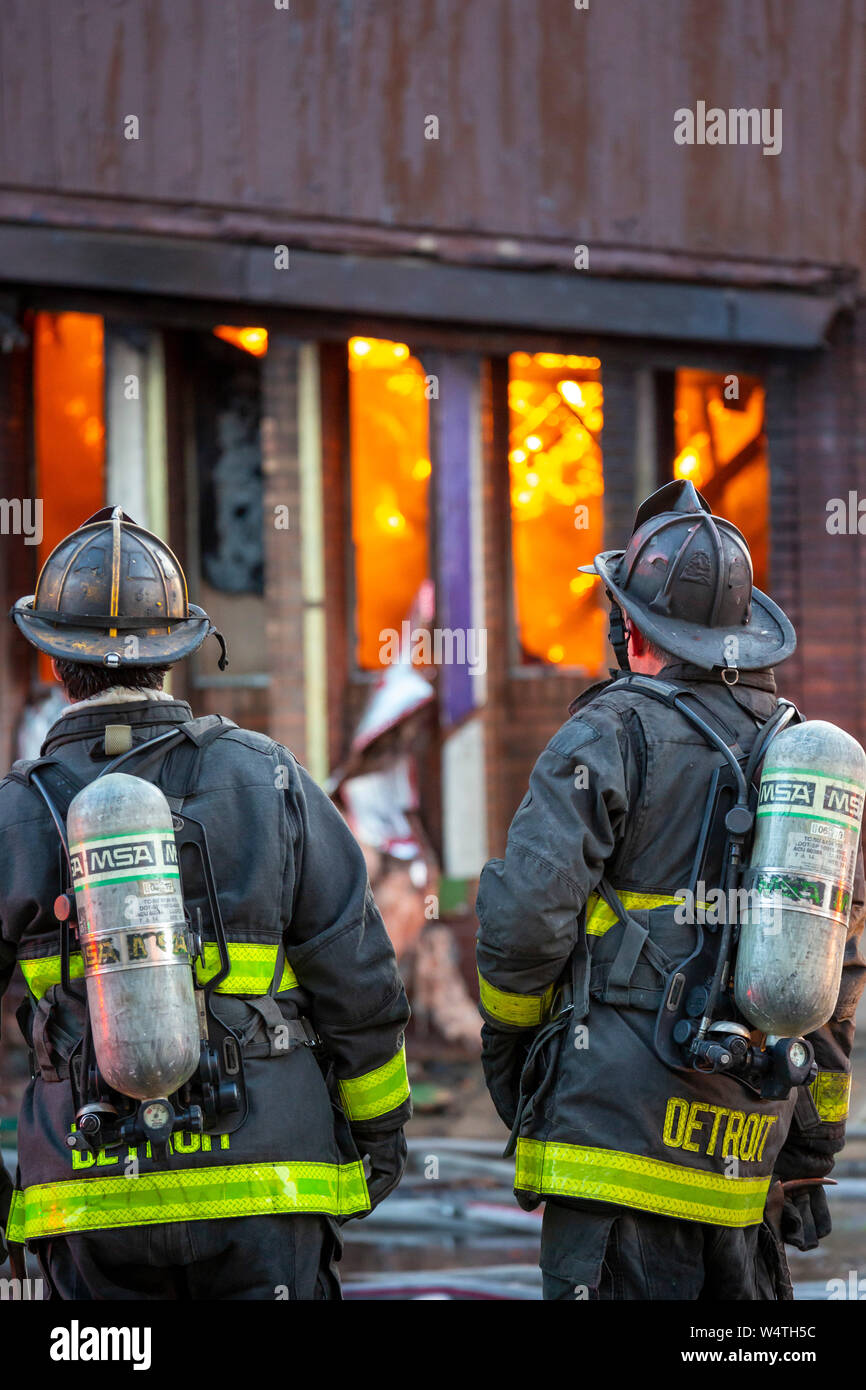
(296, 1115)
(661, 1181)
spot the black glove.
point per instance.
(502, 1059)
(805, 1215)
(387, 1154)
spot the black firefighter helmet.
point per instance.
(685, 577)
(113, 594)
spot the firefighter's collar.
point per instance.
(685, 671)
(117, 695)
(92, 718)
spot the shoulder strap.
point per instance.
(206, 728)
(589, 694)
(182, 749)
(61, 781)
(785, 713)
(55, 775)
(53, 782)
(181, 770)
(675, 697)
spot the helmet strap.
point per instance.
(215, 632)
(617, 634)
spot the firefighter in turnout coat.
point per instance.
(303, 1086)
(660, 1182)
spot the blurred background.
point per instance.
(386, 313)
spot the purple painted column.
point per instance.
(452, 428)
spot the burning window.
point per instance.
(722, 448)
(390, 469)
(252, 340)
(69, 426)
(557, 486)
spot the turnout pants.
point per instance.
(246, 1257)
(595, 1255)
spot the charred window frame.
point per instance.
(221, 410)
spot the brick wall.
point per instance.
(817, 437)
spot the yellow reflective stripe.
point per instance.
(647, 1184)
(600, 918)
(831, 1091)
(288, 979)
(15, 1219)
(252, 969)
(41, 974)
(189, 1194)
(523, 1010)
(376, 1092)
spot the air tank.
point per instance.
(140, 991)
(799, 879)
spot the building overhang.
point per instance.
(414, 287)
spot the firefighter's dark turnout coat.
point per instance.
(295, 899)
(619, 792)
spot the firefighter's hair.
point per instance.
(652, 648)
(81, 681)
(657, 652)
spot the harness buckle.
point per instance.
(231, 1056)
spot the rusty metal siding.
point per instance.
(555, 123)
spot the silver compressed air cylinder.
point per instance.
(131, 927)
(799, 879)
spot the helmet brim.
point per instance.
(767, 639)
(161, 645)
